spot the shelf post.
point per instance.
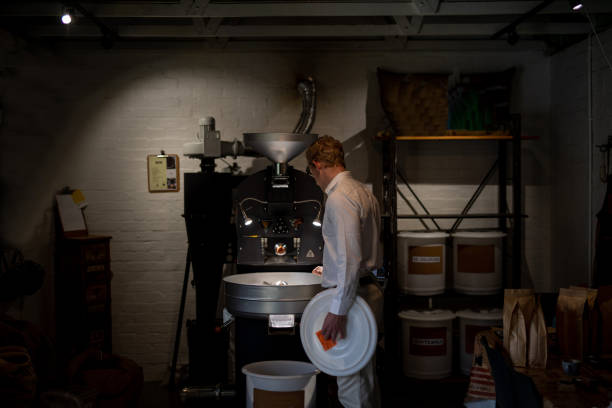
(389, 152)
(502, 206)
(517, 203)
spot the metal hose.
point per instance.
(307, 89)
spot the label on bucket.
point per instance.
(277, 399)
(475, 258)
(428, 341)
(425, 260)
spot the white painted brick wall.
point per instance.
(88, 119)
(570, 214)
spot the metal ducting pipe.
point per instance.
(307, 89)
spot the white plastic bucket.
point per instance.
(477, 262)
(472, 322)
(280, 383)
(427, 339)
(421, 262)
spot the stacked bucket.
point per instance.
(422, 271)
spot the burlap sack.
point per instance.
(416, 104)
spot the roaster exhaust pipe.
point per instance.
(307, 89)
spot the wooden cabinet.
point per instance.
(83, 294)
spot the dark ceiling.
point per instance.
(551, 24)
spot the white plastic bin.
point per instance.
(421, 262)
(471, 322)
(280, 383)
(477, 262)
(427, 340)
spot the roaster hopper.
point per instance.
(279, 209)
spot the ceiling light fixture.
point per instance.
(67, 16)
(575, 4)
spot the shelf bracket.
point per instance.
(475, 196)
(405, 180)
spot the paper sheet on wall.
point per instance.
(70, 214)
(157, 173)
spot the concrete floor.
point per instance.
(398, 392)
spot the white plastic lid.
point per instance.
(482, 234)
(350, 354)
(424, 234)
(491, 314)
(427, 315)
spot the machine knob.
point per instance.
(280, 228)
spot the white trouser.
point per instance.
(361, 389)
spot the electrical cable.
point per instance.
(605, 166)
(603, 51)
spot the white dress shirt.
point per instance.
(351, 233)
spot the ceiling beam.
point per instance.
(409, 25)
(426, 6)
(314, 31)
(512, 26)
(204, 8)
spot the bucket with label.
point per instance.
(472, 322)
(427, 348)
(280, 383)
(421, 262)
(477, 262)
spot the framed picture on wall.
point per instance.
(163, 173)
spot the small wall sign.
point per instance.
(163, 173)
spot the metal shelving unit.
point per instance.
(392, 174)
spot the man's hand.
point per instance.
(318, 271)
(334, 326)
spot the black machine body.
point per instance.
(279, 220)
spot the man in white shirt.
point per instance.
(351, 233)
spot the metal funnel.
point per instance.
(279, 147)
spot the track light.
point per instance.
(575, 4)
(317, 221)
(67, 16)
(246, 220)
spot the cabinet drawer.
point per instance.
(95, 253)
(96, 294)
(97, 273)
(97, 338)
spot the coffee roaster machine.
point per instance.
(269, 225)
